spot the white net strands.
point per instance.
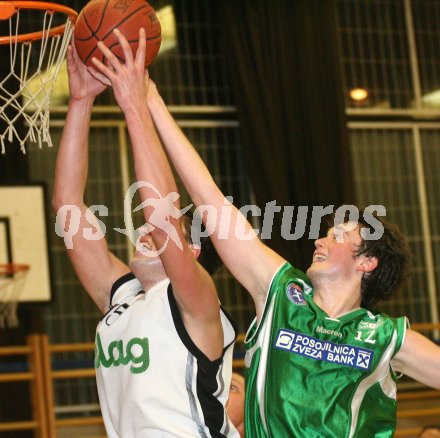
(11, 285)
(34, 68)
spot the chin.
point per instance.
(310, 271)
(140, 264)
(314, 272)
(148, 270)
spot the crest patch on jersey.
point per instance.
(295, 294)
(318, 349)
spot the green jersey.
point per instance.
(309, 375)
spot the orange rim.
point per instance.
(12, 268)
(10, 8)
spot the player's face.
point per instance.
(145, 247)
(146, 252)
(235, 404)
(432, 432)
(145, 265)
(334, 254)
(144, 244)
(145, 258)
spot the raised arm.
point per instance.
(251, 262)
(193, 287)
(94, 265)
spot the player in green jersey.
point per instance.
(319, 364)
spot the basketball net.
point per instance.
(32, 75)
(12, 279)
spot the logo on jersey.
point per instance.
(366, 325)
(114, 313)
(320, 329)
(317, 349)
(372, 316)
(295, 294)
(136, 353)
(371, 325)
(118, 309)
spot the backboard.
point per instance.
(23, 237)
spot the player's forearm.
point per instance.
(192, 286)
(151, 163)
(151, 166)
(251, 262)
(72, 160)
(187, 162)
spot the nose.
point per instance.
(319, 243)
(146, 238)
(144, 229)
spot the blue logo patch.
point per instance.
(317, 349)
(295, 294)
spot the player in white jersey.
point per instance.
(152, 379)
(164, 345)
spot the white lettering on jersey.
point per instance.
(308, 346)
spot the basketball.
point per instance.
(97, 20)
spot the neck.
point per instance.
(336, 299)
(148, 270)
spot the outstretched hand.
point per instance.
(129, 80)
(81, 83)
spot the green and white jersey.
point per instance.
(309, 375)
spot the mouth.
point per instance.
(144, 243)
(318, 257)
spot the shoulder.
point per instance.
(385, 320)
(391, 330)
(289, 277)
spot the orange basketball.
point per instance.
(97, 20)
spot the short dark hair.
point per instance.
(208, 257)
(393, 256)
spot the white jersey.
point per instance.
(152, 379)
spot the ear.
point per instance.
(368, 264)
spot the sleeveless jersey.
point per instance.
(309, 375)
(152, 379)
